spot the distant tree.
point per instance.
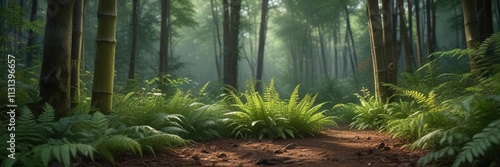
(231, 23)
(133, 47)
(262, 41)
(418, 25)
(102, 90)
(405, 37)
(56, 65)
(216, 39)
(32, 35)
(164, 37)
(76, 50)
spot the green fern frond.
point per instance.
(62, 151)
(482, 142)
(112, 145)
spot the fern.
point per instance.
(62, 151)
(483, 144)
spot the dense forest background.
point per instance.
(317, 45)
(143, 73)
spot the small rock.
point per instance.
(222, 155)
(369, 138)
(234, 145)
(195, 157)
(381, 145)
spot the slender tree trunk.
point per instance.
(389, 47)
(56, 63)
(322, 49)
(349, 29)
(377, 45)
(231, 32)
(431, 22)
(133, 47)
(102, 91)
(471, 24)
(262, 41)
(216, 40)
(32, 35)
(419, 35)
(405, 39)
(76, 51)
(164, 39)
(483, 9)
(410, 29)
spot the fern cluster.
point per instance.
(267, 115)
(454, 112)
(180, 114)
(42, 141)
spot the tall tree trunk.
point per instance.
(431, 29)
(164, 38)
(389, 47)
(102, 90)
(471, 24)
(410, 28)
(231, 47)
(419, 35)
(216, 40)
(349, 29)
(76, 51)
(32, 35)
(322, 48)
(405, 39)
(133, 47)
(377, 46)
(56, 63)
(483, 9)
(262, 41)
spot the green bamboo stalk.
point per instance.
(102, 91)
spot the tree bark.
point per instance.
(164, 38)
(32, 35)
(419, 35)
(471, 23)
(349, 29)
(76, 51)
(231, 47)
(102, 91)
(133, 47)
(56, 63)
(405, 38)
(262, 41)
(389, 47)
(216, 40)
(377, 46)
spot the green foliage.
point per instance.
(370, 112)
(44, 141)
(267, 115)
(180, 114)
(35, 145)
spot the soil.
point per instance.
(334, 147)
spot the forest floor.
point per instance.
(334, 147)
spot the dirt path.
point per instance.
(335, 147)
